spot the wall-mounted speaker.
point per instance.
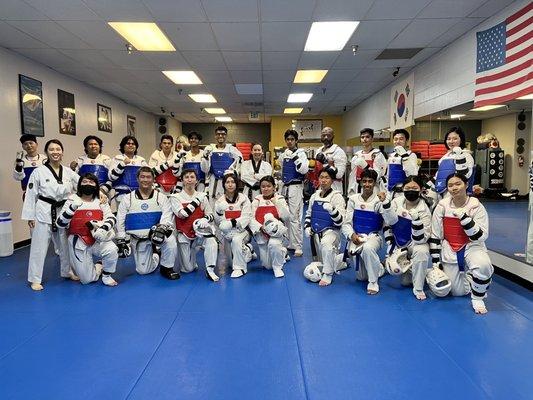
(162, 125)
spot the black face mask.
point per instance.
(88, 190)
(411, 195)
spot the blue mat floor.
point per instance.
(256, 338)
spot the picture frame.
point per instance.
(104, 118)
(309, 130)
(31, 106)
(131, 125)
(383, 135)
(66, 112)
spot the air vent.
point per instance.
(398, 54)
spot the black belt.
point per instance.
(252, 188)
(292, 183)
(54, 205)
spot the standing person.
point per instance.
(89, 224)
(332, 157)
(93, 161)
(26, 162)
(367, 157)
(48, 188)
(164, 162)
(457, 159)
(362, 228)
(194, 226)
(408, 221)
(232, 216)
(529, 244)
(125, 166)
(294, 166)
(145, 216)
(459, 229)
(401, 163)
(253, 170)
(217, 159)
(193, 160)
(323, 222)
(269, 215)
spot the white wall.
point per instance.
(443, 81)
(86, 97)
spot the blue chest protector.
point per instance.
(402, 231)
(365, 222)
(195, 165)
(220, 162)
(320, 218)
(446, 168)
(289, 172)
(141, 220)
(396, 175)
(27, 172)
(100, 171)
(128, 179)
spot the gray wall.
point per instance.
(250, 133)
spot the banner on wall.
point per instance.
(402, 103)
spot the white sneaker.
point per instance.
(210, 274)
(298, 253)
(108, 280)
(237, 273)
(278, 273)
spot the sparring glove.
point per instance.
(400, 151)
(457, 151)
(207, 152)
(321, 158)
(360, 162)
(331, 168)
(328, 207)
(203, 223)
(76, 202)
(19, 162)
(288, 153)
(124, 248)
(157, 234)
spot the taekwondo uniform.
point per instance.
(194, 162)
(215, 162)
(27, 166)
(455, 160)
(337, 156)
(529, 245)
(251, 174)
(375, 160)
(165, 169)
(400, 164)
(124, 177)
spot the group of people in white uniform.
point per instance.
(180, 203)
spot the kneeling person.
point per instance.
(145, 215)
(194, 229)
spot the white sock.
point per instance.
(237, 273)
(372, 287)
(108, 280)
(479, 306)
(278, 272)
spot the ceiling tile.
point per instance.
(373, 74)
(341, 10)
(411, 36)
(88, 58)
(231, 10)
(190, 36)
(317, 59)
(450, 8)
(456, 31)
(120, 10)
(278, 76)
(221, 76)
(176, 10)
(122, 59)
(247, 76)
(490, 8)
(242, 60)
(280, 59)
(237, 36)
(11, 37)
(167, 60)
(388, 9)
(341, 75)
(50, 57)
(50, 33)
(423, 55)
(347, 60)
(20, 11)
(204, 60)
(97, 34)
(376, 34)
(284, 36)
(282, 10)
(62, 10)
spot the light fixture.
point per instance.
(129, 48)
(526, 97)
(183, 77)
(456, 116)
(223, 119)
(488, 108)
(310, 75)
(144, 36)
(215, 110)
(329, 36)
(299, 97)
(295, 110)
(203, 98)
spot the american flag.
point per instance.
(504, 68)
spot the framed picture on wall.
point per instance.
(31, 106)
(67, 112)
(130, 125)
(383, 135)
(309, 130)
(105, 123)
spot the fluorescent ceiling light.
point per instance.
(299, 97)
(183, 77)
(488, 108)
(526, 97)
(310, 75)
(330, 36)
(455, 116)
(292, 110)
(203, 98)
(223, 119)
(144, 36)
(215, 110)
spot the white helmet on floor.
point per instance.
(313, 271)
(202, 227)
(438, 282)
(273, 227)
(398, 263)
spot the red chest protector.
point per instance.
(359, 170)
(185, 225)
(232, 214)
(78, 223)
(264, 210)
(167, 180)
(313, 175)
(454, 233)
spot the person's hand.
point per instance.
(355, 238)
(127, 160)
(103, 198)
(31, 224)
(73, 165)
(382, 196)
(307, 232)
